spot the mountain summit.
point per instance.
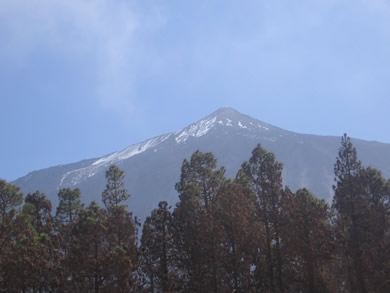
(230, 114)
(153, 166)
(222, 118)
(230, 117)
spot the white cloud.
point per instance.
(283, 41)
(97, 33)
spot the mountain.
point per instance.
(153, 167)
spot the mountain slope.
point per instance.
(153, 167)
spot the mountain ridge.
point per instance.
(201, 127)
(153, 166)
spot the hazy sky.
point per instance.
(83, 78)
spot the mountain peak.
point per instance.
(225, 118)
(226, 111)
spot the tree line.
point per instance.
(247, 234)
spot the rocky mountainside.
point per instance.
(153, 167)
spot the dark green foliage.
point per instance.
(310, 235)
(246, 235)
(102, 253)
(239, 237)
(67, 215)
(30, 260)
(89, 253)
(69, 206)
(264, 177)
(200, 175)
(376, 230)
(10, 198)
(38, 207)
(115, 193)
(196, 231)
(158, 259)
(362, 204)
(101, 250)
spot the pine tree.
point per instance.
(38, 208)
(67, 213)
(115, 193)
(29, 265)
(374, 227)
(264, 176)
(89, 253)
(121, 240)
(10, 198)
(362, 205)
(103, 253)
(157, 250)
(23, 261)
(236, 214)
(200, 173)
(349, 204)
(196, 231)
(309, 236)
(376, 249)
(69, 205)
(121, 233)
(41, 212)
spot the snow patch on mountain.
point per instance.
(263, 127)
(131, 151)
(240, 125)
(196, 130)
(74, 177)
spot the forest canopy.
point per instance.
(246, 234)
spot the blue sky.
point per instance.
(83, 78)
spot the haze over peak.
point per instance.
(230, 113)
(226, 111)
